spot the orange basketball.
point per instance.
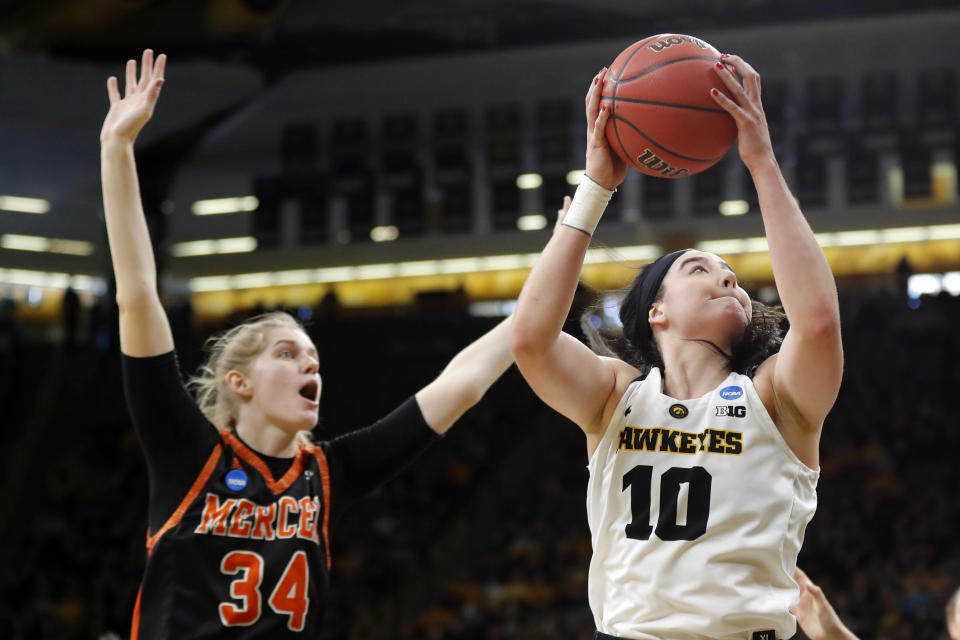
(663, 121)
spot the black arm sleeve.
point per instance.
(364, 459)
(176, 437)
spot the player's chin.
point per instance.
(731, 323)
(302, 420)
(726, 311)
(309, 419)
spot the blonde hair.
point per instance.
(233, 349)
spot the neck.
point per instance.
(692, 367)
(267, 438)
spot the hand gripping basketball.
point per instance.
(663, 122)
(746, 108)
(603, 166)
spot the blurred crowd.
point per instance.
(485, 536)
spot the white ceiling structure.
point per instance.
(270, 62)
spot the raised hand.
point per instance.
(814, 613)
(603, 166)
(129, 114)
(746, 108)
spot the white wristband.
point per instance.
(588, 205)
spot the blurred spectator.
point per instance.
(70, 315)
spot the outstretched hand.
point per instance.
(746, 108)
(814, 613)
(129, 114)
(603, 166)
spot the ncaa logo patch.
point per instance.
(678, 411)
(731, 393)
(236, 480)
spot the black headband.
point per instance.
(649, 282)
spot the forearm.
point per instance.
(801, 271)
(466, 378)
(842, 633)
(370, 456)
(547, 294)
(127, 233)
(481, 363)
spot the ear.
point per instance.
(656, 316)
(239, 384)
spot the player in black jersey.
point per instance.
(240, 501)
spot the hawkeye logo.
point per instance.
(678, 411)
(732, 410)
(672, 441)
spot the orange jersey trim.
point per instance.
(135, 626)
(188, 499)
(251, 458)
(325, 481)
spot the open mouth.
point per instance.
(310, 390)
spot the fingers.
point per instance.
(146, 69)
(151, 77)
(729, 105)
(816, 592)
(599, 139)
(742, 66)
(562, 212)
(153, 91)
(806, 584)
(593, 95)
(131, 82)
(729, 81)
(749, 79)
(160, 66)
(112, 91)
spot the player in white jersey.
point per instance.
(702, 441)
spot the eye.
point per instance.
(700, 267)
(286, 353)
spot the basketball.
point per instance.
(663, 121)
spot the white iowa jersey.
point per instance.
(697, 510)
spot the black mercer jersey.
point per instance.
(238, 542)
(244, 555)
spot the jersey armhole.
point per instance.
(201, 480)
(624, 399)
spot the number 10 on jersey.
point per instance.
(698, 482)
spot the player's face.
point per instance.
(285, 380)
(702, 299)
